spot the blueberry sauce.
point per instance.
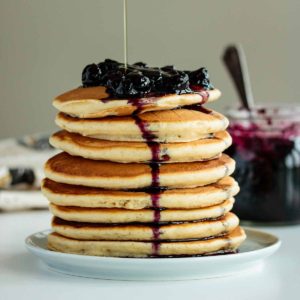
(201, 91)
(138, 80)
(154, 190)
(267, 154)
(139, 103)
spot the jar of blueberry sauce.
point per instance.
(266, 148)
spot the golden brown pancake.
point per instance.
(120, 215)
(229, 242)
(174, 126)
(75, 195)
(145, 232)
(141, 177)
(128, 152)
(76, 170)
(93, 102)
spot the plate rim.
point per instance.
(39, 251)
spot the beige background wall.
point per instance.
(45, 44)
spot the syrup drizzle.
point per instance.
(125, 32)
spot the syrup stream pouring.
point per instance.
(125, 31)
(234, 59)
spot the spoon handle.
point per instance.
(235, 60)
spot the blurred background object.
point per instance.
(266, 149)
(45, 45)
(21, 172)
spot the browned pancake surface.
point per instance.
(80, 93)
(162, 116)
(92, 143)
(70, 189)
(231, 241)
(74, 165)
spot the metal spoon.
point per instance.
(234, 59)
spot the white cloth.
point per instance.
(21, 200)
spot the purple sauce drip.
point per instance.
(155, 196)
(140, 102)
(155, 247)
(154, 147)
(156, 232)
(154, 191)
(203, 93)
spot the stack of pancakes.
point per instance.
(141, 177)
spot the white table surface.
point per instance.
(23, 276)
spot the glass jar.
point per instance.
(266, 148)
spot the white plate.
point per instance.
(254, 250)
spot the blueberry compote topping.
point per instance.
(138, 80)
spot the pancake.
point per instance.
(93, 102)
(120, 215)
(174, 126)
(73, 195)
(145, 232)
(128, 152)
(76, 170)
(229, 242)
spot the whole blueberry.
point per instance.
(140, 64)
(91, 75)
(108, 65)
(140, 82)
(156, 77)
(113, 80)
(133, 84)
(177, 82)
(200, 77)
(168, 68)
